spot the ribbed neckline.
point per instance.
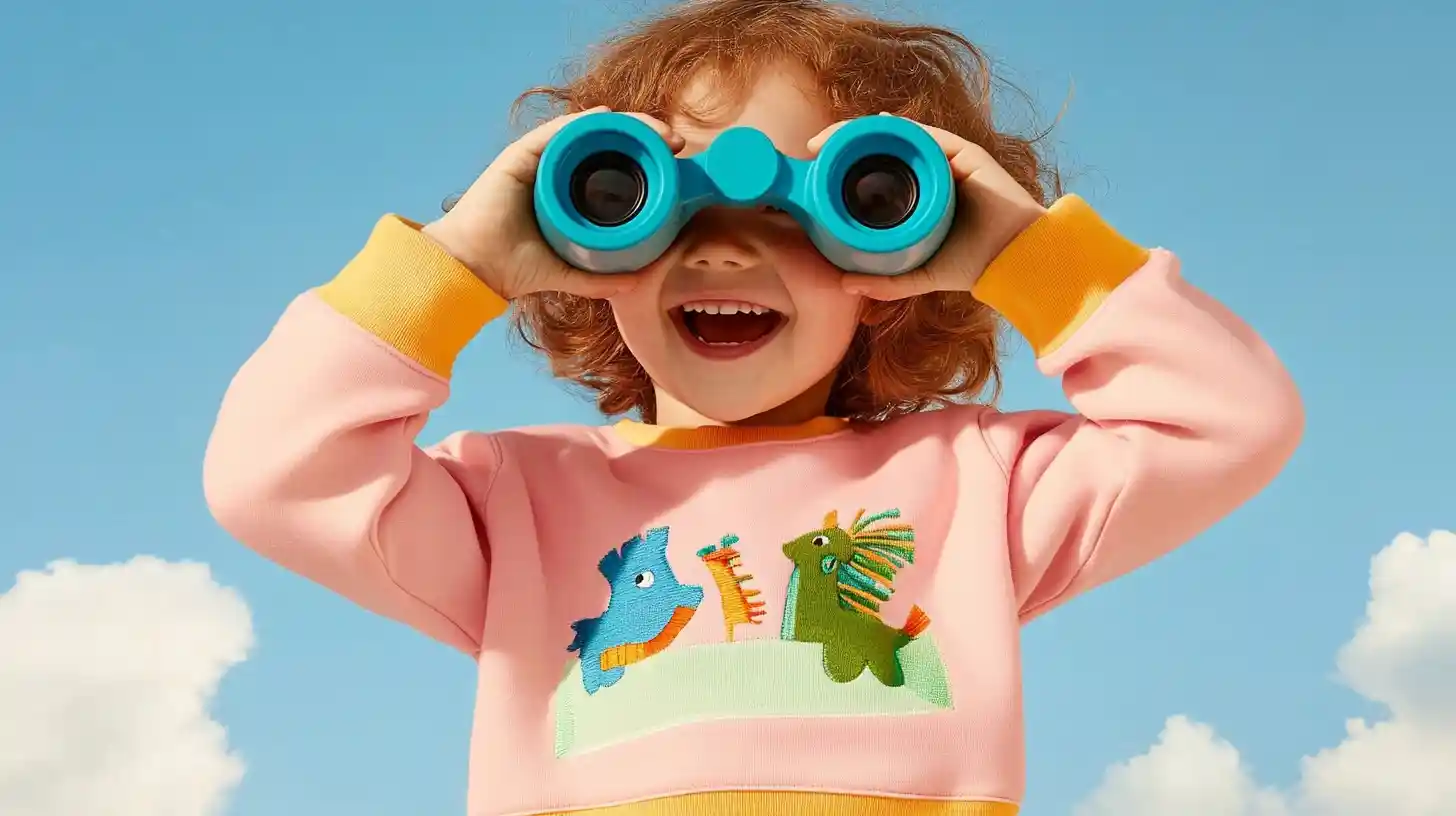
(721, 436)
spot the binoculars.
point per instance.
(610, 195)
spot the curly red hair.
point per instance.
(910, 355)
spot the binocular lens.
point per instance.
(608, 189)
(880, 191)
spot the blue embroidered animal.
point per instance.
(646, 611)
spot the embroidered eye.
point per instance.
(644, 579)
(821, 541)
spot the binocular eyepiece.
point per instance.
(610, 196)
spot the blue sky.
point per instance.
(171, 174)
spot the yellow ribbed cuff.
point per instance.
(1057, 272)
(409, 292)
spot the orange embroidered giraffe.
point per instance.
(739, 608)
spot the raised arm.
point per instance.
(1182, 412)
(313, 461)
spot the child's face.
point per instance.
(742, 315)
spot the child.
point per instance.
(791, 588)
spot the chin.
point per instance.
(738, 404)
(745, 380)
(727, 411)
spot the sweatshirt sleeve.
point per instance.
(1181, 412)
(313, 461)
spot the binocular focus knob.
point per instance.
(743, 163)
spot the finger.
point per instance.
(673, 138)
(536, 140)
(521, 158)
(817, 143)
(890, 287)
(966, 157)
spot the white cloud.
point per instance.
(1190, 770)
(106, 675)
(1403, 656)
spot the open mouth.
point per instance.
(721, 328)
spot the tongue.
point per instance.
(742, 327)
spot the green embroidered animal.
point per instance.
(841, 576)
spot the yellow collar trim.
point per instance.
(722, 436)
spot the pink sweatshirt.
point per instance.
(813, 620)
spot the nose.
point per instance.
(719, 253)
(716, 242)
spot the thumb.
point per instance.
(595, 285)
(555, 275)
(889, 287)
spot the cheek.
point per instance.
(636, 315)
(824, 309)
(639, 316)
(829, 321)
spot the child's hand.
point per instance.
(992, 209)
(492, 229)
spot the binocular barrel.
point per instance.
(610, 195)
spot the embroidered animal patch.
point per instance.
(841, 576)
(739, 606)
(646, 611)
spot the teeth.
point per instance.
(725, 307)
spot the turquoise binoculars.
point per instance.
(610, 195)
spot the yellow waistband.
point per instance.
(792, 803)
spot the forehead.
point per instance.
(782, 100)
